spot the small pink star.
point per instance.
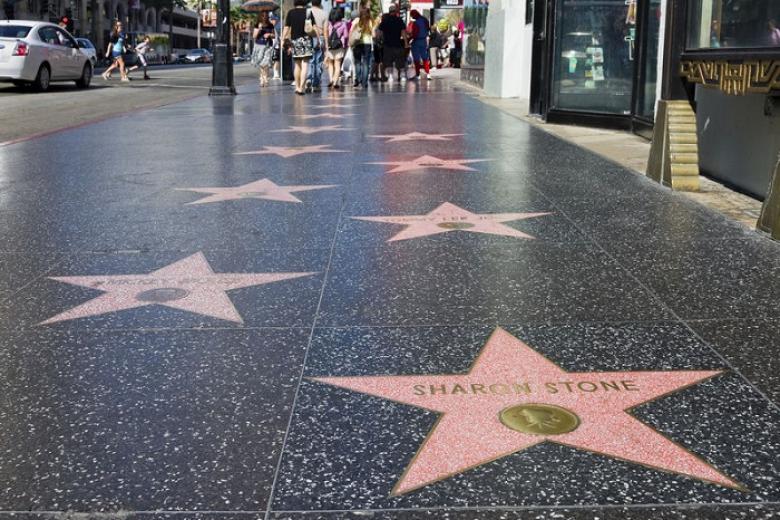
(262, 189)
(292, 151)
(188, 285)
(313, 129)
(513, 398)
(416, 136)
(449, 217)
(428, 161)
(324, 116)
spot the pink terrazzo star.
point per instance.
(292, 151)
(449, 217)
(470, 430)
(324, 116)
(314, 129)
(428, 161)
(416, 136)
(262, 189)
(188, 285)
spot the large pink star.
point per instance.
(428, 161)
(510, 384)
(416, 136)
(188, 285)
(292, 151)
(449, 217)
(314, 129)
(262, 189)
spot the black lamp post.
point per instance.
(222, 69)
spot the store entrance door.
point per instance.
(594, 63)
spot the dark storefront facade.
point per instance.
(595, 61)
(729, 60)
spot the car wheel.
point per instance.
(86, 77)
(42, 79)
(94, 62)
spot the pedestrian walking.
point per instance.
(263, 52)
(277, 54)
(337, 40)
(395, 39)
(140, 52)
(435, 43)
(299, 29)
(114, 51)
(362, 39)
(378, 66)
(421, 29)
(314, 80)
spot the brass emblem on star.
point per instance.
(455, 225)
(539, 419)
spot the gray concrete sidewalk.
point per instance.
(631, 151)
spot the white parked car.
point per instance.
(198, 56)
(38, 53)
(88, 48)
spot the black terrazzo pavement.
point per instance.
(157, 413)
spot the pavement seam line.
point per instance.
(326, 273)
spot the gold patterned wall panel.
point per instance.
(736, 79)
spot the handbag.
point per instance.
(308, 27)
(355, 36)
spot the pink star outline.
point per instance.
(262, 189)
(334, 105)
(449, 217)
(194, 287)
(314, 129)
(428, 161)
(469, 431)
(292, 151)
(416, 136)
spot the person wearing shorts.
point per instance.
(395, 39)
(140, 51)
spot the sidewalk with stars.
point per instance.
(395, 303)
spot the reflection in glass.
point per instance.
(647, 90)
(594, 55)
(715, 24)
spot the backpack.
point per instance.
(334, 39)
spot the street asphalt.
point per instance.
(25, 113)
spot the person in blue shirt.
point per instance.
(115, 49)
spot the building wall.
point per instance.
(508, 50)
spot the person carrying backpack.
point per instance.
(336, 36)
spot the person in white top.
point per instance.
(314, 81)
(140, 52)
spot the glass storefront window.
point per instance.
(715, 24)
(645, 106)
(594, 55)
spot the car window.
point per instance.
(14, 31)
(86, 43)
(64, 39)
(48, 35)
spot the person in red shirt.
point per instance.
(420, 30)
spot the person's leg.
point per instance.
(316, 73)
(336, 72)
(297, 75)
(366, 66)
(304, 73)
(122, 70)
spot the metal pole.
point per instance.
(222, 70)
(200, 10)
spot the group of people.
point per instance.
(118, 46)
(320, 42)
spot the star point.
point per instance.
(188, 284)
(416, 136)
(448, 217)
(292, 151)
(308, 130)
(426, 162)
(513, 398)
(262, 189)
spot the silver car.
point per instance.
(88, 48)
(38, 53)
